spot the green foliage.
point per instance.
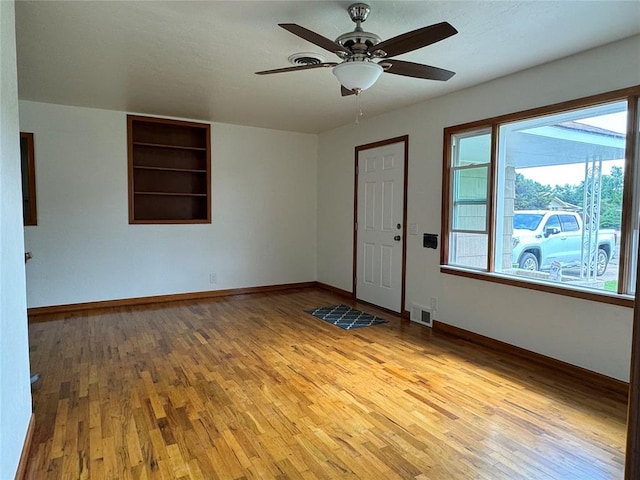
(611, 285)
(532, 195)
(573, 194)
(611, 202)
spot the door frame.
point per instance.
(404, 139)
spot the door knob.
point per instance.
(397, 238)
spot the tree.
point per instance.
(573, 194)
(531, 195)
(611, 199)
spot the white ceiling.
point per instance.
(197, 59)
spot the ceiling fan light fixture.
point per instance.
(358, 75)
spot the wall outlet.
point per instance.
(213, 278)
(434, 304)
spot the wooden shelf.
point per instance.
(178, 194)
(169, 171)
(161, 145)
(165, 169)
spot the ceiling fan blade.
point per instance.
(415, 39)
(345, 91)
(314, 38)
(296, 68)
(416, 70)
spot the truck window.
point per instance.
(552, 222)
(527, 221)
(569, 223)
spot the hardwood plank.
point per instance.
(22, 464)
(252, 387)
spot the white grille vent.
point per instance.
(422, 315)
(306, 58)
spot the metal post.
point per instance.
(591, 217)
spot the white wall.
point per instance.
(15, 389)
(588, 334)
(263, 230)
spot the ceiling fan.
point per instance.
(358, 49)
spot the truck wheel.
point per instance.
(602, 262)
(528, 261)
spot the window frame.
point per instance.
(629, 204)
(30, 215)
(478, 201)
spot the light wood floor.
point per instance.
(251, 387)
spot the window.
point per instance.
(546, 197)
(470, 172)
(28, 166)
(569, 223)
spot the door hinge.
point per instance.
(355, 226)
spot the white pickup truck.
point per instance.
(541, 237)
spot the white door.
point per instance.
(379, 225)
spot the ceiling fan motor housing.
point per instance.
(358, 41)
(359, 12)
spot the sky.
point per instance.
(564, 174)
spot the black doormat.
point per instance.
(345, 317)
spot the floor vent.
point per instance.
(421, 315)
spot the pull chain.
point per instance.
(358, 106)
